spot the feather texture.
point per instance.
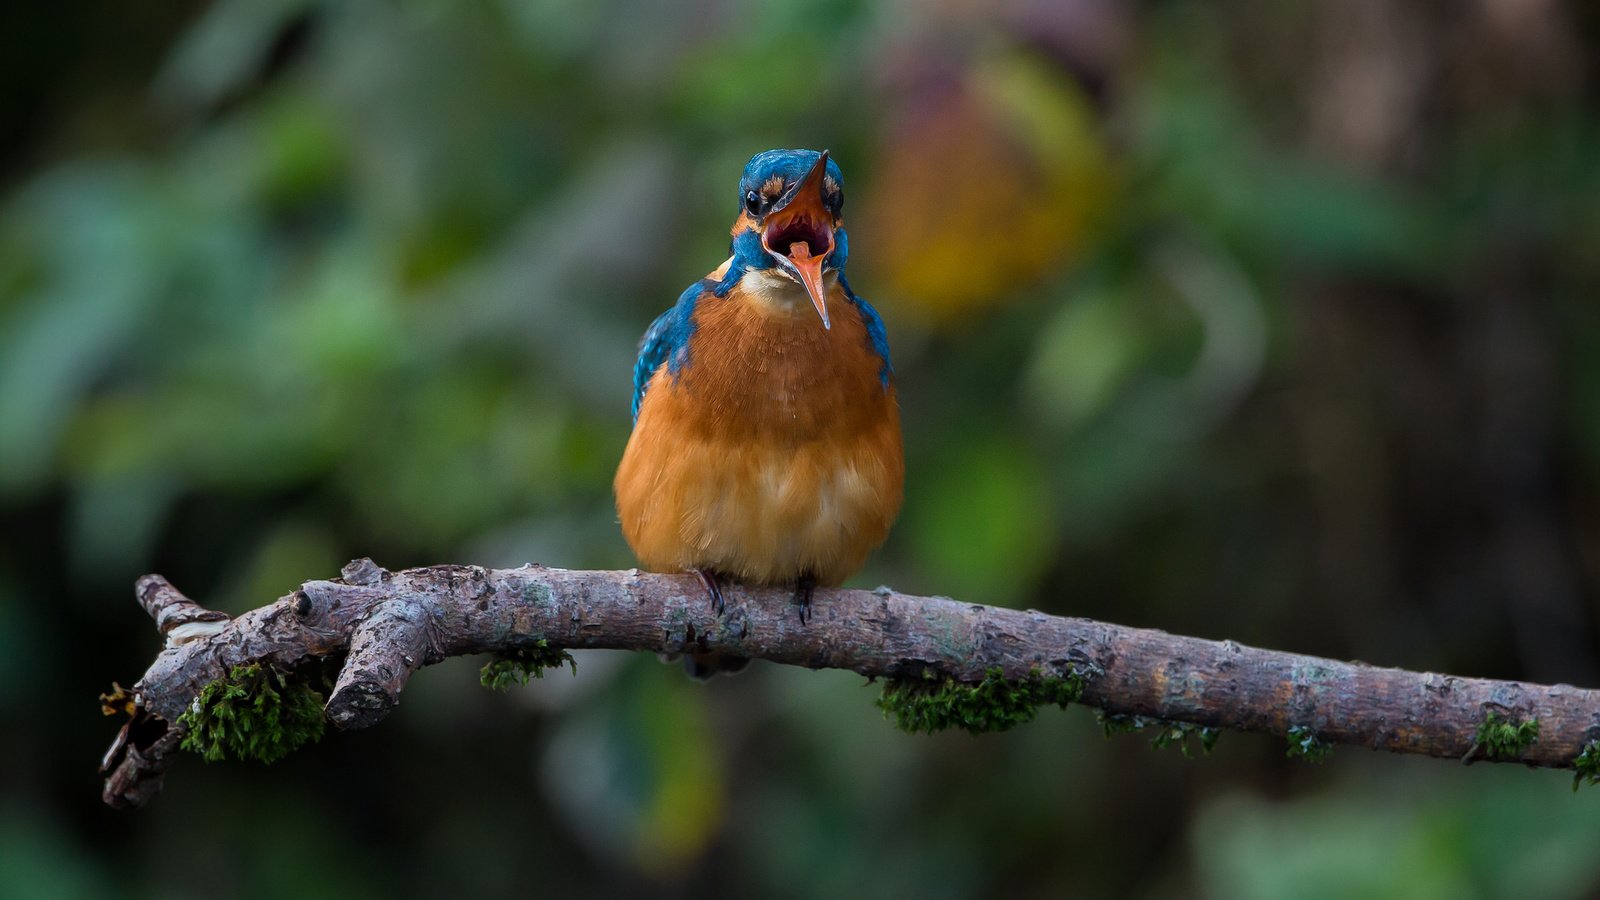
(772, 449)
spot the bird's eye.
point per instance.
(752, 203)
(834, 202)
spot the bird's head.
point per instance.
(790, 203)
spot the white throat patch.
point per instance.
(780, 294)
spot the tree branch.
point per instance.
(389, 624)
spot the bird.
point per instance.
(766, 446)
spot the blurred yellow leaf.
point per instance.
(994, 183)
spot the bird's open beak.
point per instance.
(798, 232)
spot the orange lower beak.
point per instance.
(799, 235)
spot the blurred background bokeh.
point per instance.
(1264, 321)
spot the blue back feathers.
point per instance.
(875, 331)
(666, 340)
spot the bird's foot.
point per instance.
(802, 596)
(708, 580)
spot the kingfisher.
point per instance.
(766, 431)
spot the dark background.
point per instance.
(1252, 320)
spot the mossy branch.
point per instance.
(944, 664)
(932, 703)
(1503, 737)
(518, 667)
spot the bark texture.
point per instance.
(387, 625)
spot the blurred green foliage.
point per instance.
(1276, 325)
(1485, 838)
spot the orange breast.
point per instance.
(774, 453)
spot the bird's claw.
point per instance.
(708, 580)
(802, 596)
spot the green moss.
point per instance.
(1121, 723)
(1501, 738)
(1587, 765)
(524, 664)
(994, 704)
(1304, 744)
(1186, 736)
(255, 713)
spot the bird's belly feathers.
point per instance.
(765, 461)
(764, 514)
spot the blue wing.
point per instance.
(875, 330)
(666, 340)
(653, 349)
